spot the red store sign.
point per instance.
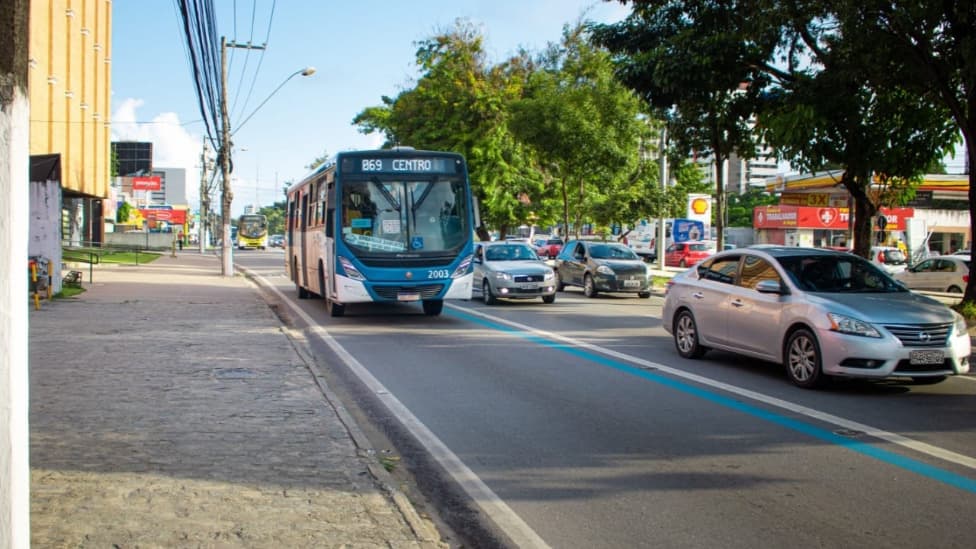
(808, 217)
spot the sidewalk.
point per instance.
(169, 408)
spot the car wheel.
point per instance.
(686, 336)
(549, 298)
(433, 307)
(954, 289)
(589, 290)
(928, 380)
(643, 295)
(803, 364)
(487, 295)
(559, 283)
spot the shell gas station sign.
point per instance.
(700, 208)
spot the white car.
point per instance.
(889, 258)
(944, 273)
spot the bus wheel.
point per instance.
(302, 292)
(335, 309)
(433, 307)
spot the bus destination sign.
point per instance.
(365, 164)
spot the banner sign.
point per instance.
(807, 217)
(173, 217)
(147, 183)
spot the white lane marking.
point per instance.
(494, 507)
(918, 446)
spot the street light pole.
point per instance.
(226, 246)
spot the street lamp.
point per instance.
(227, 197)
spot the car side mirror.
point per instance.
(770, 287)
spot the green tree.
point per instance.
(585, 129)
(319, 160)
(123, 213)
(460, 103)
(684, 59)
(927, 49)
(276, 217)
(822, 109)
(742, 206)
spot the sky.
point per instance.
(361, 51)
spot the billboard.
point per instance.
(147, 183)
(685, 230)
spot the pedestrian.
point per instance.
(179, 240)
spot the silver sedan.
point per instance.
(512, 270)
(819, 312)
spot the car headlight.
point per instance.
(603, 269)
(852, 326)
(503, 276)
(961, 327)
(551, 275)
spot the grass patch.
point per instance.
(129, 257)
(967, 309)
(660, 281)
(69, 290)
(103, 255)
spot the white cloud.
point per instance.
(173, 145)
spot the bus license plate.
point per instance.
(408, 297)
(926, 357)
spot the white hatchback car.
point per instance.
(889, 258)
(944, 273)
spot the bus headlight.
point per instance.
(463, 268)
(351, 272)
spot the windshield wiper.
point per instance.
(386, 193)
(423, 195)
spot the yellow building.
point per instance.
(70, 110)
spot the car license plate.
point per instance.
(632, 283)
(408, 297)
(529, 286)
(926, 357)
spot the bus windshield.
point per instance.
(253, 226)
(396, 216)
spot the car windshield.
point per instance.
(510, 253)
(612, 251)
(894, 256)
(699, 247)
(843, 273)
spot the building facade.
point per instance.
(70, 51)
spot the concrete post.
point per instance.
(14, 236)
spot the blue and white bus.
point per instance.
(382, 226)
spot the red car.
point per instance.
(549, 248)
(686, 254)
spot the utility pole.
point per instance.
(226, 195)
(661, 238)
(204, 200)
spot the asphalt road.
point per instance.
(576, 424)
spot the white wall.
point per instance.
(45, 226)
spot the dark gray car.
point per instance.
(599, 266)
